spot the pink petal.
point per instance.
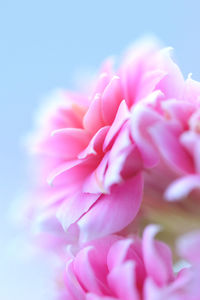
(171, 85)
(179, 111)
(182, 187)
(67, 142)
(191, 141)
(139, 60)
(85, 272)
(74, 207)
(121, 116)
(111, 98)
(102, 81)
(93, 120)
(122, 281)
(119, 152)
(72, 172)
(191, 90)
(171, 149)
(112, 212)
(72, 284)
(61, 169)
(118, 253)
(95, 144)
(142, 119)
(157, 257)
(188, 246)
(94, 183)
(148, 83)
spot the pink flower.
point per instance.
(92, 149)
(167, 133)
(129, 268)
(170, 138)
(87, 188)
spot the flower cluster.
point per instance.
(108, 161)
(129, 268)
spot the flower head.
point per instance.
(131, 268)
(92, 149)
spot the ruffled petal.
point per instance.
(114, 211)
(74, 207)
(182, 187)
(142, 119)
(121, 116)
(157, 257)
(122, 281)
(111, 98)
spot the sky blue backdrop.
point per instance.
(43, 44)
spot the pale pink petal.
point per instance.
(172, 85)
(140, 59)
(153, 292)
(122, 281)
(179, 111)
(121, 116)
(71, 172)
(182, 187)
(85, 272)
(74, 207)
(191, 90)
(102, 81)
(149, 82)
(111, 99)
(118, 253)
(171, 149)
(112, 212)
(94, 183)
(93, 120)
(157, 257)
(131, 250)
(119, 152)
(142, 119)
(188, 140)
(72, 285)
(95, 144)
(191, 141)
(188, 246)
(58, 144)
(61, 169)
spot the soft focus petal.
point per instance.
(182, 187)
(188, 246)
(157, 257)
(125, 289)
(112, 212)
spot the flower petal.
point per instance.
(171, 149)
(121, 116)
(142, 119)
(112, 212)
(74, 207)
(157, 257)
(111, 99)
(182, 187)
(122, 281)
(95, 144)
(93, 120)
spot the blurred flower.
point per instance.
(129, 268)
(173, 138)
(92, 149)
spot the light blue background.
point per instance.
(43, 44)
